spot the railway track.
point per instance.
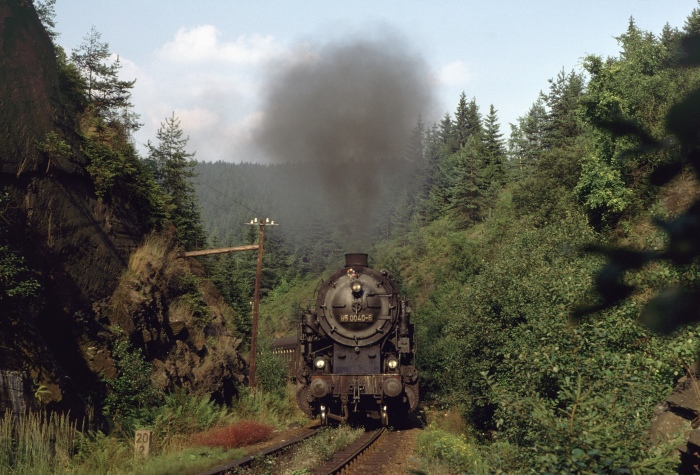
(374, 452)
(352, 455)
(272, 451)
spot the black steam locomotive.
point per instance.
(356, 352)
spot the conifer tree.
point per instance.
(467, 121)
(466, 195)
(494, 151)
(562, 123)
(526, 139)
(174, 170)
(447, 134)
(692, 23)
(461, 122)
(110, 96)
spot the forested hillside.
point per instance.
(532, 335)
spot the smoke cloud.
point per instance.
(344, 110)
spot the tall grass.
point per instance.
(37, 443)
(269, 408)
(41, 444)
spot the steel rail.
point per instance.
(355, 451)
(249, 459)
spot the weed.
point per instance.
(235, 435)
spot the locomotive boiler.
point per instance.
(356, 353)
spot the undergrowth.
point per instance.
(234, 435)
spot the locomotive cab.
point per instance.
(357, 348)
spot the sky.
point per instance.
(210, 62)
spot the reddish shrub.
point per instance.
(235, 435)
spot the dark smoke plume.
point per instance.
(354, 103)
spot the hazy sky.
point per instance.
(207, 61)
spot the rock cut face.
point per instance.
(76, 245)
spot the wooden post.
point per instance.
(256, 297)
(258, 275)
(256, 307)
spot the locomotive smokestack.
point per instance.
(356, 260)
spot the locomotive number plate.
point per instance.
(361, 318)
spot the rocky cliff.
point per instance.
(77, 246)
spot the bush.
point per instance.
(131, 397)
(269, 408)
(182, 414)
(271, 374)
(452, 451)
(235, 435)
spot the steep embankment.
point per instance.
(77, 245)
(78, 248)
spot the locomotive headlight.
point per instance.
(320, 363)
(392, 362)
(356, 287)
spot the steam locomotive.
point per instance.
(355, 353)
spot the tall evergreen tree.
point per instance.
(466, 193)
(447, 131)
(110, 96)
(174, 168)
(527, 137)
(562, 123)
(494, 152)
(467, 121)
(461, 122)
(692, 23)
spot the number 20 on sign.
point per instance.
(142, 443)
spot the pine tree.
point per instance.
(461, 122)
(466, 194)
(447, 133)
(692, 23)
(467, 121)
(174, 168)
(527, 137)
(474, 125)
(562, 124)
(110, 96)
(494, 152)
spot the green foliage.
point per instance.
(36, 443)
(107, 166)
(581, 431)
(120, 177)
(109, 96)
(603, 191)
(54, 148)
(191, 295)
(130, 396)
(16, 281)
(99, 453)
(271, 373)
(321, 447)
(15, 278)
(272, 407)
(174, 170)
(182, 413)
(451, 451)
